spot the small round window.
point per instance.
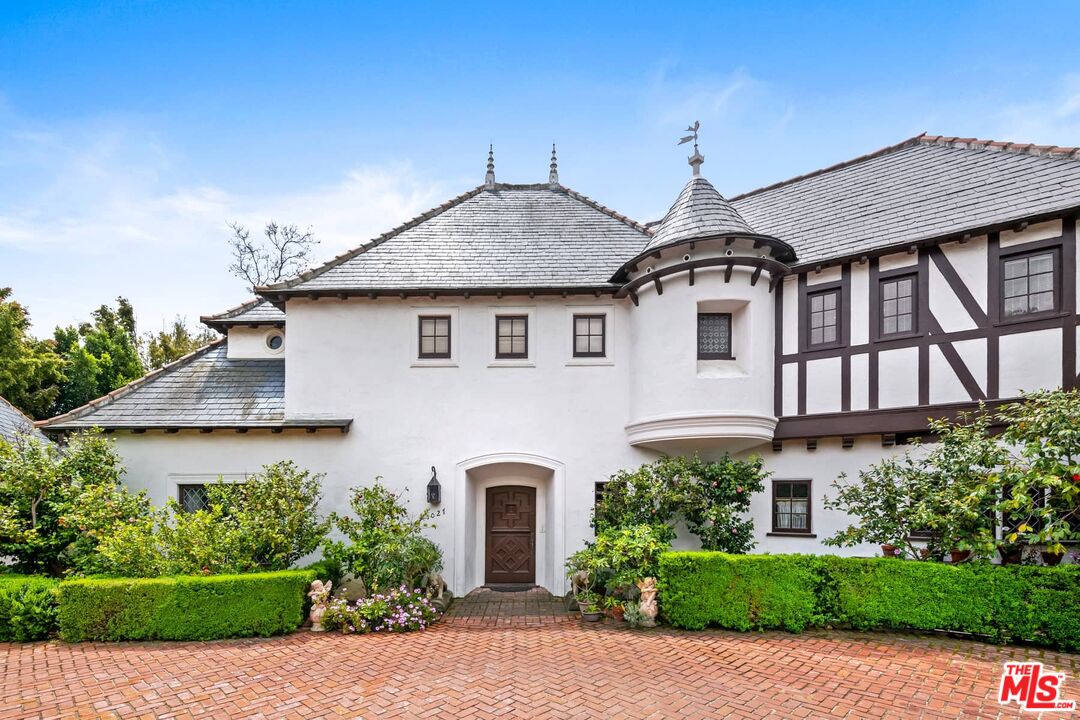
(274, 341)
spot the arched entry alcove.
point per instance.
(512, 482)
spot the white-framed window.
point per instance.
(274, 341)
(435, 336)
(513, 336)
(590, 332)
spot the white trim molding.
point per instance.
(744, 428)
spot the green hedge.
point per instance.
(742, 592)
(183, 608)
(27, 607)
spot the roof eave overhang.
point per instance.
(222, 326)
(278, 296)
(929, 240)
(785, 252)
(308, 424)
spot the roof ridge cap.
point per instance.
(107, 398)
(831, 168)
(970, 143)
(379, 240)
(625, 219)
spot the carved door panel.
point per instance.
(511, 535)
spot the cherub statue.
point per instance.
(320, 599)
(647, 586)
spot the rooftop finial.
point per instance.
(697, 158)
(553, 175)
(489, 179)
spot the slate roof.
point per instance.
(13, 423)
(256, 311)
(514, 236)
(204, 389)
(921, 189)
(699, 211)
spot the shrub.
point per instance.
(712, 497)
(27, 607)
(387, 548)
(1005, 603)
(183, 608)
(266, 523)
(738, 592)
(620, 557)
(399, 610)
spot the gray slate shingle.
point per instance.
(699, 211)
(207, 390)
(14, 424)
(255, 311)
(923, 189)
(516, 236)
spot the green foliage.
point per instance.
(174, 343)
(56, 505)
(955, 488)
(1005, 603)
(30, 369)
(632, 614)
(326, 569)
(739, 592)
(27, 607)
(712, 497)
(386, 546)
(183, 608)
(399, 610)
(266, 523)
(619, 557)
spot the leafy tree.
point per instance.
(99, 356)
(56, 504)
(30, 369)
(174, 343)
(712, 497)
(284, 251)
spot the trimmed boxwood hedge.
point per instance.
(183, 608)
(743, 592)
(27, 607)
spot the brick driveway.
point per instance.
(563, 669)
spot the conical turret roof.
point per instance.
(699, 212)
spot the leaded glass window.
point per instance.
(193, 498)
(714, 336)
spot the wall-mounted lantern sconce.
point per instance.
(434, 489)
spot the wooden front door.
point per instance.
(511, 535)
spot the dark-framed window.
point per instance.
(590, 335)
(823, 318)
(192, 497)
(791, 506)
(511, 336)
(1030, 283)
(714, 336)
(434, 333)
(598, 492)
(899, 300)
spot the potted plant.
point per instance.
(1011, 553)
(890, 550)
(1050, 557)
(960, 551)
(589, 606)
(613, 607)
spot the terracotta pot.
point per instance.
(1011, 555)
(890, 550)
(924, 553)
(959, 556)
(617, 613)
(1050, 558)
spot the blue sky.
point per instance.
(130, 133)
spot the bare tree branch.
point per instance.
(285, 252)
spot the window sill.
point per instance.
(1032, 317)
(522, 363)
(791, 534)
(586, 362)
(433, 363)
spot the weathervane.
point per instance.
(697, 158)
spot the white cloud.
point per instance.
(90, 213)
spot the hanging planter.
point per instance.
(888, 550)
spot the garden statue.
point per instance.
(579, 582)
(434, 584)
(320, 599)
(647, 586)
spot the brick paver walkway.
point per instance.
(559, 670)
(489, 608)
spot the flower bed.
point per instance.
(1006, 603)
(183, 608)
(399, 610)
